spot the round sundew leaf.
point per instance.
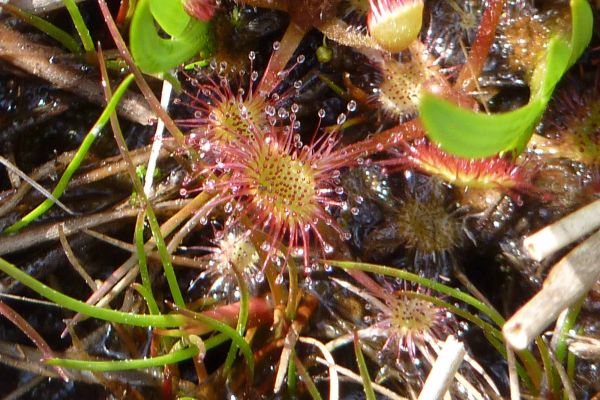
(154, 54)
(470, 134)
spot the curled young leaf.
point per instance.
(470, 134)
(153, 53)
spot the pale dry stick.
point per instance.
(513, 377)
(131, 263)
(367, 333)
(13, 176)
(113, 166)
(362, 293)
(494, 393)
(35, 59)
(27, 358)
(370, 333)
(51, 167)
(585, 347)
(334, 381)
(109, 167)
(569, 280)
(358, 379)
(39, 6)
(24, 388)
(563, 232)
(469, 388)
(158, 140)
(288, 345)
(198, 218)
(444, 369)
(121, 278)
(177, 260)
(123, 284)
(49, 232)
(73, 259)
(14, 169)
(44, 303)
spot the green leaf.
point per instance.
(547, 74)
(82, 29)
(85, 146)
(582, 20)
(171, 16)
(155, 54)
(122, 365)
(470, 134)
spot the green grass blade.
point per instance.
(242, 317)
(82, 29)
(364, 371)
(310, 384)
(582, 19)
(49, 29)
(121, 365)
(408, 276)
(231, 334)
(165, 258)
(143, 263)
(149, 321)
(291, 375)
(77, 159)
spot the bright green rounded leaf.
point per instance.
(170, 15)
(155, 54)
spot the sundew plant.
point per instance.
(210, 199)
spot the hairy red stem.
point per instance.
(287, 46)
(139, 79)
(469, 73)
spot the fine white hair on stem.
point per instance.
(563, 232)
(14, 169)
(444, 369)
(569, 280)
(357, 379)
(334, 382)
